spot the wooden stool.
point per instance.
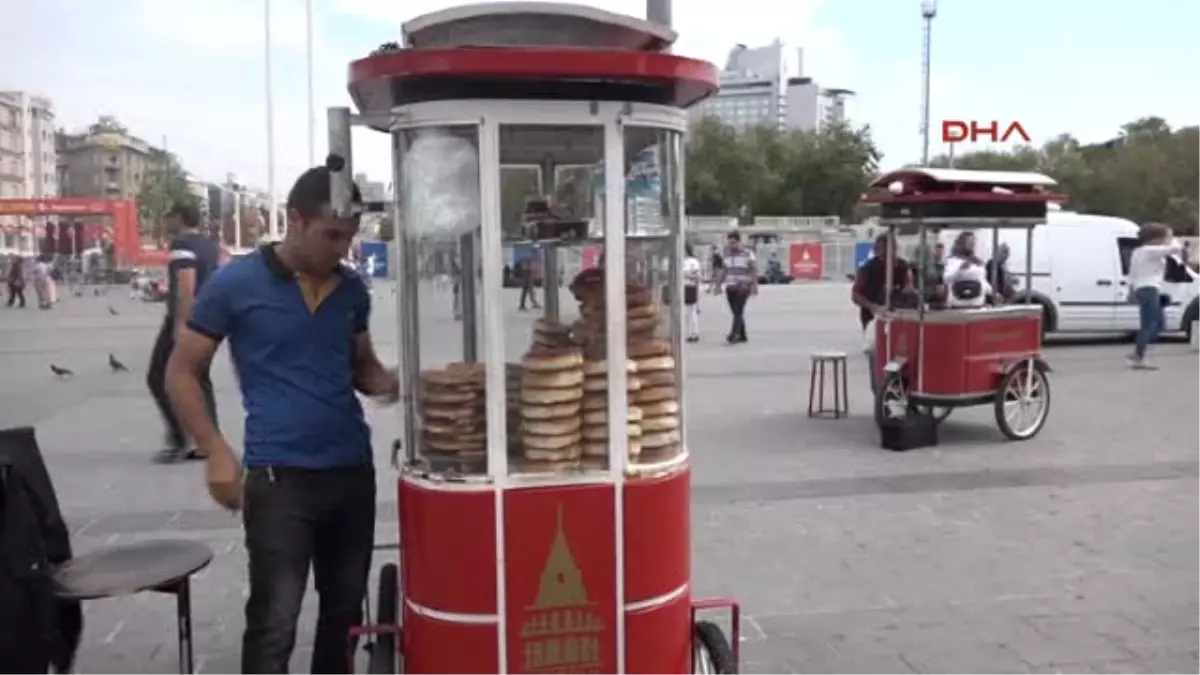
(816, 386)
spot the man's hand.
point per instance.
(388, 388)
(224, 474)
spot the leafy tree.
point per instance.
(1148, 173)
(164, 185)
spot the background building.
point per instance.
(756, 88)
(27, 162)
(105, 161)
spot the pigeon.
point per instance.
(61, 372)
(117, 366)
(112, 310)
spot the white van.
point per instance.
(1081, 273)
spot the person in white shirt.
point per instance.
(1147, 264)
(965, 276)
(691, 293)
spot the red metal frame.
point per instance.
(735, 623)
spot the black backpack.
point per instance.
(38, 631)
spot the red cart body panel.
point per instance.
(965, 351)
(560, 577)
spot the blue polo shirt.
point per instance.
(295, 366)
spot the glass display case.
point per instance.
(506, 249)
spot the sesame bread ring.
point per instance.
(600, 368)
(658, 378)
(599, 449)
(531, 442)
(600, 432)
(659, 408)
(594, 401)
(546, 359)
(564, 453)
(650, 364)
(595, 417)
(660, 439)
(446, 413)
(599, 384)
(453, 375)
(437, 395)
(657, 424)
(550, 396)
(454, 444)
(641, 349)
(642, 326)
(550, 412)
(558, 427)
(552, 379)
(654, 395)
(546, 465)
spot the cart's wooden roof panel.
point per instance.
(534, 24)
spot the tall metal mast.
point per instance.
(928, 12)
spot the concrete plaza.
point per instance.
(1074, 552)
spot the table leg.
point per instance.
(183, 615)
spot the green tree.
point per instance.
(163, 185)
(722, 172)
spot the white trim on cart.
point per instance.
(658, 600)
(453, 617)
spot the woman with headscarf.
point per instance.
(964, 274)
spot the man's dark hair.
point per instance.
(187, 214)
(734, 236)
(312, 190)
(883, 239)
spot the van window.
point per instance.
(1126, 246)
(1176, 273)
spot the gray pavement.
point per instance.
(1074, 552)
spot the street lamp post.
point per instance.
(273, 218)
(928, 12)
(308, 52)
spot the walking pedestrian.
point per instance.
(691, 293)
(739, 278)
(1147, 265)
(16, 283)
(298, 328)
(527, 290)
(192, 260)
(42, 282)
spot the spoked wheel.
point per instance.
(1023, 402)
(891, 399)
(711, 652)
(383, 649)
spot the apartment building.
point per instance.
(105, 161)
(27, 163)
(756, 89)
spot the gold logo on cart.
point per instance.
(561, 633)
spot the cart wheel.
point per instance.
(891, 400)
(383, 651)
(1022, 403)
(711, 652)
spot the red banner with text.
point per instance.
(807, 260)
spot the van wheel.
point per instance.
(1189, 317)
(1047, 317)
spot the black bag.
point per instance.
(911, 431)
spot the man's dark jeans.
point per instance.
(156, 380)
(736, 296)
(1150, 318)
(294, 519)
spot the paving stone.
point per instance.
(1076, 551)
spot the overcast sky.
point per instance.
(192, 72)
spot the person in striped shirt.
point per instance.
(739, 278)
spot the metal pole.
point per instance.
(926, 87)
(341, 190)
(312, 111)
(237, 219)
(273, 216)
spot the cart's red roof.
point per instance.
(382, 81)
(930, 185)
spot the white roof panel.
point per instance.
(534, 24)
(965, 176)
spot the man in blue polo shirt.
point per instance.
(297, 324)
